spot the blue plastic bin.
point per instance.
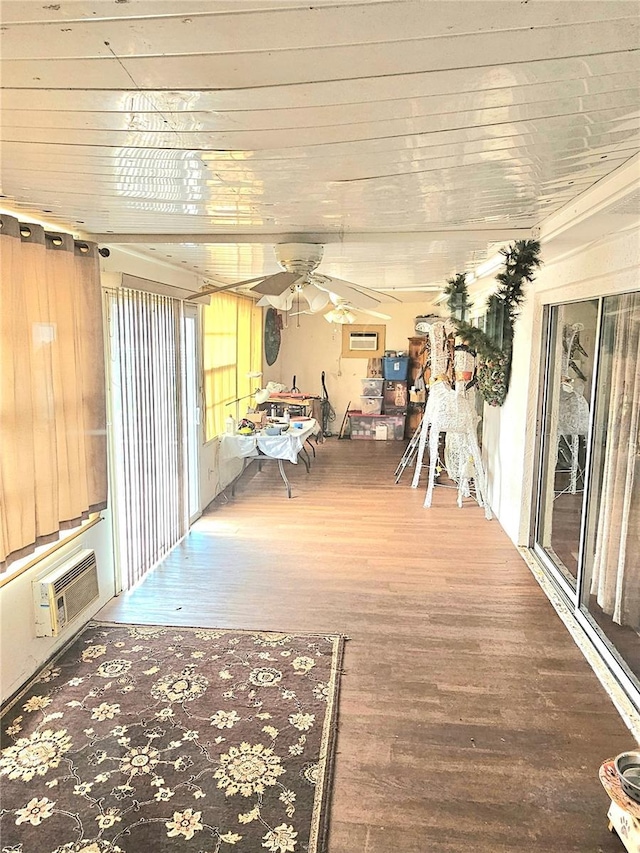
(395, 368)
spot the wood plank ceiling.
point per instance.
(408, 136)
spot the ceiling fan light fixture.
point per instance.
(281, 303)
(339, 316)
(316, 298)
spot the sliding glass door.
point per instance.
(147, 430)
(568, 392)
(192, 408)
(610, 588)
(587, 531)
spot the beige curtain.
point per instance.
(53, 465)
(616, 573)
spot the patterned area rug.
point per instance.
(138, 739)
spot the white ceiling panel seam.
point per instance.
(266, 49)
(574, 104)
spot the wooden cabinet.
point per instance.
(418, 357)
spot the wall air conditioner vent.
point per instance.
(64, 592)
(364, 341)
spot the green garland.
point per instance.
(457, 295)
(495, 345)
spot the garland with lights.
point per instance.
(494, 345)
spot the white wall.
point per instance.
(21, 652)
(132, 263)
(315, 345)
(215, 475)
(603, 268)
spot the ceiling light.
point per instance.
(283, 302)
(337, 315)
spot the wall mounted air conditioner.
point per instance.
(364, 341)
(64, 592)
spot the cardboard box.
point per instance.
(396, 397)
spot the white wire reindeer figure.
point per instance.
(573, 409)
(449, 410)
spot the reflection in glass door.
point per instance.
(610, 588)
(587, 532)
(572, 344)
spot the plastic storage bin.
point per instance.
(371, 405)
(372, 387)
(395, 368)
(363, 426)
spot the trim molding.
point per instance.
(55, 546)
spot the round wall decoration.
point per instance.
(271, 336)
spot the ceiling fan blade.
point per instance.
(371, 313)
(274, 285)
(206, 291)
(378, 295)
(215, 288)
(346, 290)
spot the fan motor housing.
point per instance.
(299, 257)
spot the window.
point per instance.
(53, 466)
(232, 336)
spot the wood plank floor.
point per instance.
(469, 720)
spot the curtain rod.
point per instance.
(12, 226)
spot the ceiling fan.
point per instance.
(299, 279)
(342, 311)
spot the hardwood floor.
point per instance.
(469, 720)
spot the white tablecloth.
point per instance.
(285, 446)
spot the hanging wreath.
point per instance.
(494, 345)
(272, 336)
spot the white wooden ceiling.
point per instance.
(408, 137)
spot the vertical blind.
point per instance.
(147, 416)
(232, 348)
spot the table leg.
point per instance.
(308, 441)
(284, 477)
(233, 484)
(305, 459)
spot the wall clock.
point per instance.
(271, 336)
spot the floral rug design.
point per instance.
(150, 738)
